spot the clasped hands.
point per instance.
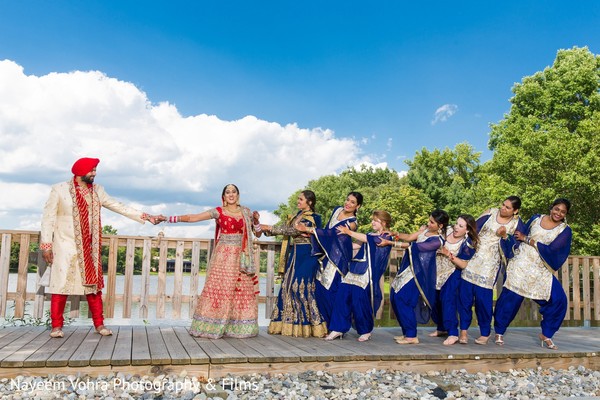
(156, 219)
(520, 236)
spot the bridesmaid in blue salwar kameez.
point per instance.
(540, 251)
(334, 252)
(359, 296)
(412, 292)
(459, 247)
(476, 287)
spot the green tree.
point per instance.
(381, 189)
(108, 230)
(121, 254)
(547, 146)
(331, 191)
(446, 176)
(409, 207)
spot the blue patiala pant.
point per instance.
(469, 294)
(553, 311)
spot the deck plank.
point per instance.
(61, 356)
(158, 349)
(216, 353)
(17, 359)
(248, 350)
(273, 349)
(124, 347)
(195, 352)
(105, 349)
(311, 346)
(9, 329)
(42, 354)
(176, 350)
(140, 348)
(12, 335)
(292, 346)
(15, 346)
(82, 356)
(344, 349)
(295, 353)
(229, 352)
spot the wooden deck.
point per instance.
(153, 350)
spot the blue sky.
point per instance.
(370, 73)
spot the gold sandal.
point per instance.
(482, 340)
(451, 340)
(57, 333)
(104, 331)
(407, 340)
(334, 335)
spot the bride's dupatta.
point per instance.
(247, 258)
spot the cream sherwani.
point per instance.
(58, 229)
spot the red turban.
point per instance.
(83, 166)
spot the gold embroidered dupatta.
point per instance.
(285, 243)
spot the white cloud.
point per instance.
(381, 165)
(367, 164)
(150, 155)
(443, 113)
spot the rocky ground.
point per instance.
(374, 384)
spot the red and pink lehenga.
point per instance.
(228, 305)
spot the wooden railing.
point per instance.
(580, 277)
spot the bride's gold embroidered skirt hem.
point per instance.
(215, 329)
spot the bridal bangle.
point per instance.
(174, 219)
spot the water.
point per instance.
(387, 320)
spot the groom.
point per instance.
(71, 242)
